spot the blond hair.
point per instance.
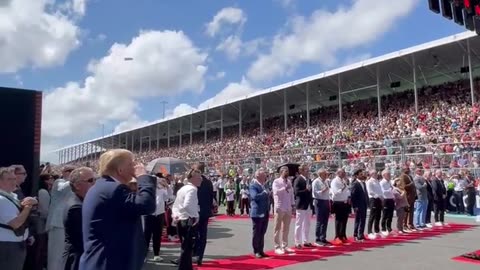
(111, 160)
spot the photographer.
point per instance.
(13, 222)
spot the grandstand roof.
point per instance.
(437, 61)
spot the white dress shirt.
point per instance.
(339, 190)
(320, 189)
(374, 189)
(186, 203)
(387, 189)
(221, 183)
(161, 197)
(460, 184)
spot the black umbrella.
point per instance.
(292, 168)
(166, 165)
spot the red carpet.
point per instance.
(167, 242)
(468, 257)
(236, 217)
(319, 253)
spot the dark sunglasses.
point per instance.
(91, 180)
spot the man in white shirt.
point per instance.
(341, 206)
(61, 194)
(321, 196)
(185, 213)
(375, 196)
(388, 203)
(222, 180)
(460, 185)
(13, 217)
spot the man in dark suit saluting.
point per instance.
(359, 198)
(112, 229)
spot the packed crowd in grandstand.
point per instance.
(444, 133)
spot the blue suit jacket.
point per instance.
(112, 229)
(259, 201)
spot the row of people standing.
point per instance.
(232, 192)
(412, 198)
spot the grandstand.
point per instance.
(293, 105)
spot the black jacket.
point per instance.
(429, 190)
(72, 221)
(303, 196)
(359, 195)
(438, 190)
(205, 198)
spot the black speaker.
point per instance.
(258, 161)
(434, 6)
(343, 155)
(21, 117)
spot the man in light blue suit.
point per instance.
(259, 211)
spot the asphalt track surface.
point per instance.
(231, 238)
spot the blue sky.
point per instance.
(251, 45)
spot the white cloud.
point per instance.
(182, 109)
(164, 63)
(217, 76)
(318, 38)
(79, 6)
(232, 46)
(252, 47)
(130, 123)
(226, 16)
(220, 75)
(35, 34)
(231, 92)
(229, 23)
